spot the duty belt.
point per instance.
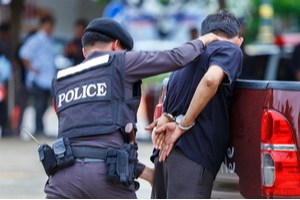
(89, 152)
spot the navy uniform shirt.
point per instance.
(206, 142)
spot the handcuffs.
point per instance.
(178, 120)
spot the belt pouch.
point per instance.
(63, 152)
(111, 162)
(47, 157)
(122, 166)
(131, 149)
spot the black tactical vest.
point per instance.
(90, 97)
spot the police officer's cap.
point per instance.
(112, 29)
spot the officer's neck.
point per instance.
(111, 46)
(88, 51)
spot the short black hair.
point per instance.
(91, 37)
(221, 23)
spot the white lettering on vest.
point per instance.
(70, 96)
(85, 91)
(101, 89)
(76, 94)
(61, 98)
(89, 94)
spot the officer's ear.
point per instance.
(116, 46)
(84, 52)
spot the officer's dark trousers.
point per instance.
(85, 181)
(181, 178)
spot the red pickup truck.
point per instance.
(263, 156)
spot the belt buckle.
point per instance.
(89, 160)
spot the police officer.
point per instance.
(94, 101)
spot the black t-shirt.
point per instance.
(207, 141)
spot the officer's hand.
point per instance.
(152, 125)
(208, 38)
(172, 133)
(157, 123)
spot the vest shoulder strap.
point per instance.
(83, 66)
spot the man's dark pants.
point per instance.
(181, 178)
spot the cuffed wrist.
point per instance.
(185, 128)
(169, 116)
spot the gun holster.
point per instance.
(47, 157)
(121, 164)
(57, 157)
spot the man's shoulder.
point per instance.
(223, 46)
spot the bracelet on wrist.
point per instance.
(169, 116)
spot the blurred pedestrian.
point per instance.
(5, 73)
(73, 48)
(194, 33)
(5, 40)
(38, 56)
(23, 93)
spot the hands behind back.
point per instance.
(156, 124)
(171, 134)
(164, 136)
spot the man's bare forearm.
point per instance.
(206, 89)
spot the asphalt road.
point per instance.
(22, 175)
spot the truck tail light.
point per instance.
(158, 111)
(279, 161)
(159, 107)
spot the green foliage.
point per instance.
(286, 7)
(103, 2)
(164, 2)
(253, 23)
(155, 79)
(283, 9)
(289, 12)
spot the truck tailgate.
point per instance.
(249, 101)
